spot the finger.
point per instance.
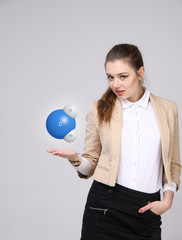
(56, 153)
(145, 208)
(60, 154)
(56, 150)
(51, 150)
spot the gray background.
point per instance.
(52, 54)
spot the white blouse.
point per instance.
(141, 165)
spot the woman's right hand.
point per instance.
(70, 154)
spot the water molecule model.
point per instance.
(61, 123)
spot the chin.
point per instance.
(121, 97)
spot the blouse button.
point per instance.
(110, 191)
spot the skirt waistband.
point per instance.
(122, 189)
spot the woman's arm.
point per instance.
(175, 161)
(92, 148)
(168, 199)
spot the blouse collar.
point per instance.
(143, 101)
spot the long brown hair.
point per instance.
(132, 55)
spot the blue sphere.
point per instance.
(59, 124)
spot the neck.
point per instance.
(139, 95)
(140, 92)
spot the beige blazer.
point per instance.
(102, 145)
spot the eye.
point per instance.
(110, 77)
(123, 76)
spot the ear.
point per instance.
(141, 72)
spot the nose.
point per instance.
(116, 84)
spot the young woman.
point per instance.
(131, 150)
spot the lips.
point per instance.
(119, 91)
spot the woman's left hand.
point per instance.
(158, 207)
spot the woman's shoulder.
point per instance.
(163, 100)
(92, 111)
(167, 103)
(93, 105)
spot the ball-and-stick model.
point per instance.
(61, 123)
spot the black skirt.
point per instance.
(111, 213)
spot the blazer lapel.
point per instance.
(161, 116)
(116, 128)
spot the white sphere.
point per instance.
(71, 136)
(71, 110)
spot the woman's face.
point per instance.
(122, 77)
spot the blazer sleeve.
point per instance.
(175, 161)
(92, 147)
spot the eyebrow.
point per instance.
(117, 74)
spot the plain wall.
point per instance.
(52, 53)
